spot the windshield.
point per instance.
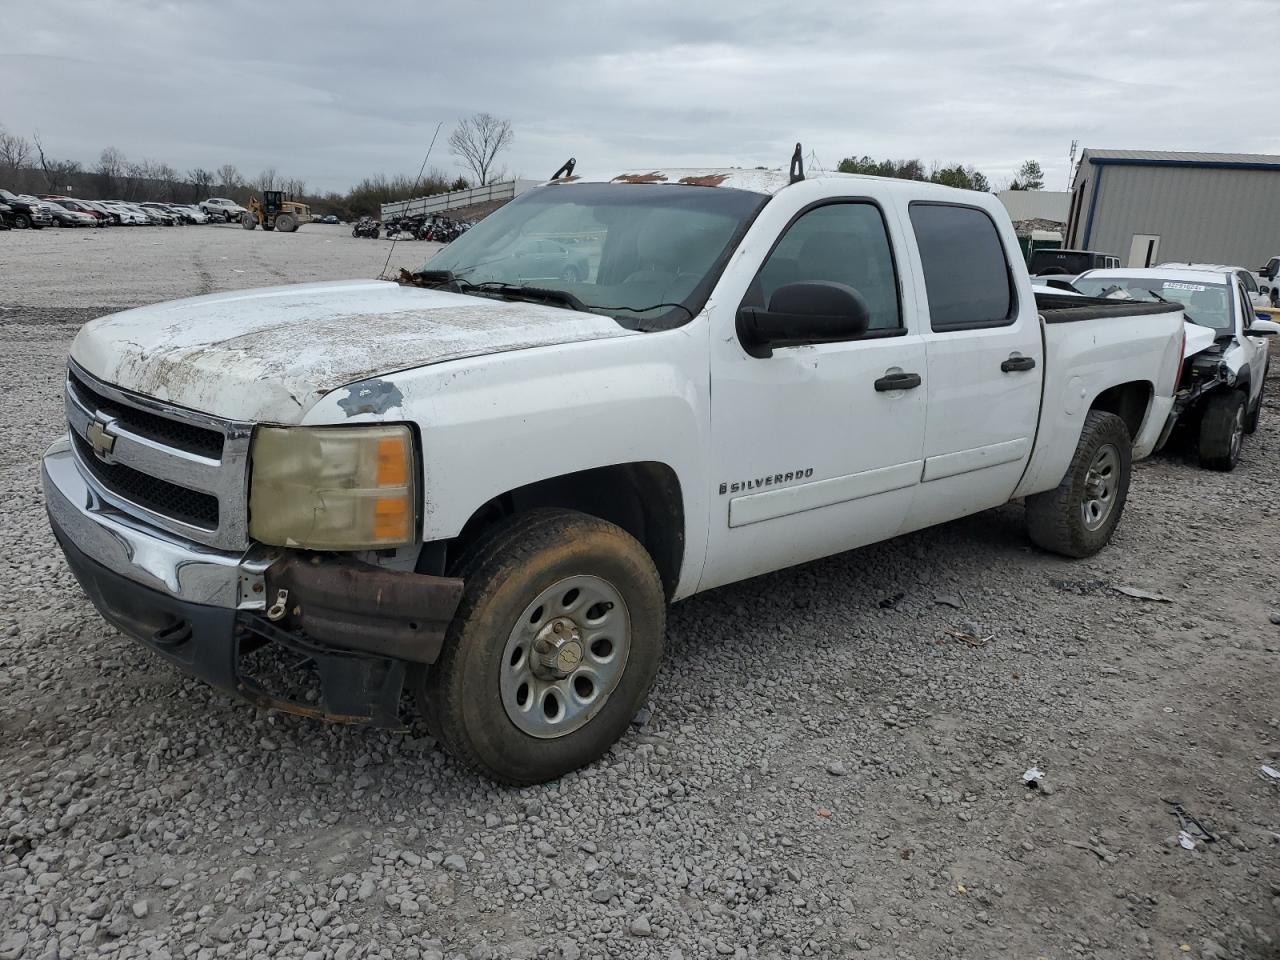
(645, 254)
(1208, 304)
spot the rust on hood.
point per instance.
(654, 177)
(710, 180)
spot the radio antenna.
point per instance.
(412, 191)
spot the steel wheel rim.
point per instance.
(1237, 432)
(594, 618)
(1100, 486)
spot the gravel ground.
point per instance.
(826, 768)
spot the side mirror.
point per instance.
(1262, 327)
(816, 311)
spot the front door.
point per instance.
(985, 363)
(817, 447)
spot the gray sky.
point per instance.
(330, 92)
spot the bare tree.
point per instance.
(56, 172)
(228, 178)
(15, 151)
(201, 181)
(110, 167)
(477, 141)
(267, 179)
(295, 187)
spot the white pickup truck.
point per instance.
(487, 480)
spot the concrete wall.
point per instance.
(1201, 214)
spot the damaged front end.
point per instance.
(352, 628)
(320, 635)
(1202, 374)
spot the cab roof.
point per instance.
(753, 179)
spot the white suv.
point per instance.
(1270, 277)
(221, 207)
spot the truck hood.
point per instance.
(267, 355)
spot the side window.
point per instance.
(842, 243)
(1246, 309)
(1250, 285)
(966, 274)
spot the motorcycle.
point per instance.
(367, 227)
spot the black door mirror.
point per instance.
(817, 311)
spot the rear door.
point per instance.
(985, 361)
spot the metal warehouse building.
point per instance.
(1148, 207)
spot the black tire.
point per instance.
(248, 223)
(1056, 519)
(376, 233)
(1251, 419)
(1275, 298)
(1222, 429)
(286, 223)
(21, 221)
(504, 572)
(355, 231)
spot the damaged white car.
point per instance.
(1220, 393)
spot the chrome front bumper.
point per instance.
(179, 568)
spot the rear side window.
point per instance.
(966, 274)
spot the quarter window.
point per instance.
(966, 274)
(841, 243)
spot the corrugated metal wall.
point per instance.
(1204, 215)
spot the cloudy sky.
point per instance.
(329, 92)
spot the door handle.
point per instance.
(898, 381)
(1018, 363)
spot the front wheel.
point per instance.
(1078, 517)
(1275, 298)
(1222, 430)
(553, 649)
(248, 223)
(21, 221)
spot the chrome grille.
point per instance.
(180, 470)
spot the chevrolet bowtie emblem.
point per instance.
(101, 441)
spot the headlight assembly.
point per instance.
(333, 488)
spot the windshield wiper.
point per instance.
(1156, 295)
(516, 291)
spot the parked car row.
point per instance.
(24, 211)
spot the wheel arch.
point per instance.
(644, 498)
(1129, 401)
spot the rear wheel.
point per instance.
(553, 649)
(1222, 430)
(286, 223)
(1078, 518)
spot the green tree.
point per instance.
(954, 175)
(1030, 177)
